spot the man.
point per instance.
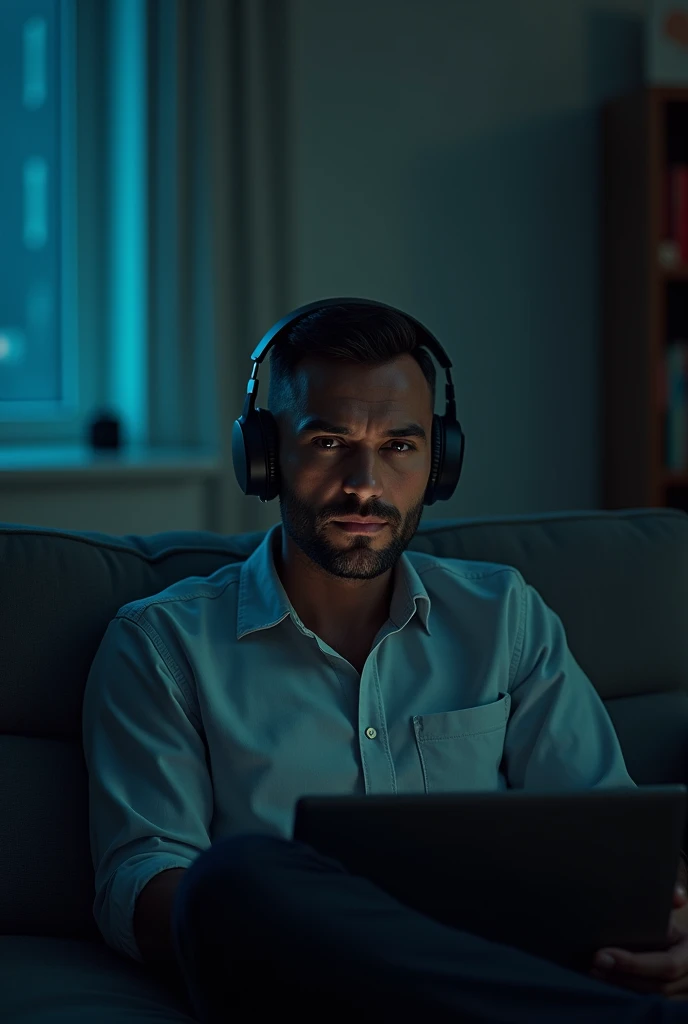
(335, 661)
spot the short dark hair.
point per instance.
(353, 333)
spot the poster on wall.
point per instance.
(667, 43)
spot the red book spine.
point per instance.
(663, 383)
(679, 209)
(684, 410)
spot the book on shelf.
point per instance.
(675, 248)
(675, 406)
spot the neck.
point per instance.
(327, 604)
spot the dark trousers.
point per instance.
(266, 925)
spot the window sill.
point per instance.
(33, 464)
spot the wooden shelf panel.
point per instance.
(675, 478)
(669, 93)
(643, 304)
(679, 273)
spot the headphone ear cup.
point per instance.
(246, 442)
(448, 443)
(268, 426)
(436, 459)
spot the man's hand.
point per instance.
(662, 973)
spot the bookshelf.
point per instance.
(644, 299)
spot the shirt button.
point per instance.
(371, 733)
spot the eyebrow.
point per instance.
(315, 423)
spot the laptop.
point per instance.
(556, 874)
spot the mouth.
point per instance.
(349, 527)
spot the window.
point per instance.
(98, 308)
(38, 336)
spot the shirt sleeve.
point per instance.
(559, 735)
(149, 789)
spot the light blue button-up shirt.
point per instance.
(210, 709)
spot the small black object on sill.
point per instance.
(105, 433)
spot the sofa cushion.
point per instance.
(80, 983)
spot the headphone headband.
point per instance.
(254, 437)
(271, 336)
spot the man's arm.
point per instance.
(559, 734)
(153, 917)
(150, 792)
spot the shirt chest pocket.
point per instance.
(462, 750)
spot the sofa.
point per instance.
(618, 579)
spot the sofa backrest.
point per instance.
(619, 581)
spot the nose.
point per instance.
(362, 476)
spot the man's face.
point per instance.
(347, 447)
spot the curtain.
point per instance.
(215, 217)
(247, 140)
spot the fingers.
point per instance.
(665, 965)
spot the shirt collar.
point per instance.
(263, 601)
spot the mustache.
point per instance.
(389, 515)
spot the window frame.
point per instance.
(63, 421)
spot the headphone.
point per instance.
(255, 441)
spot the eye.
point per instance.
(315, 442)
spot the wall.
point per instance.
(445, 159)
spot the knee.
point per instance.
(230, 868)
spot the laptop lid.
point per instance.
(557, 874)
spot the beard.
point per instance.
(355, 558)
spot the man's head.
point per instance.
(353, 397)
